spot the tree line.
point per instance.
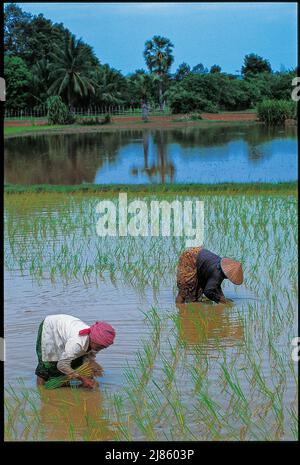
(43, 59)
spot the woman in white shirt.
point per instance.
(65, 342)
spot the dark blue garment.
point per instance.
(210, 275)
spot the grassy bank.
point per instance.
(222, 188)
(167, 122)
(20, 130)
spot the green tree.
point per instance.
(57, 111)
(280, 85)
(15, 22)
(158, 54)
(182, 71)
(254, 64)
(40, 81)
(110, 86)
(199, 69)
(213, 91)
(18, 79)
(140, 87)
(33, 37)
(30, 37)
(70, 70)
(215, 69)
(183, 101)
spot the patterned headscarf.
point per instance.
(101, 333)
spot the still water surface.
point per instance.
(246, 153)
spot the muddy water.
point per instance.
(28, 303)
(260, 323)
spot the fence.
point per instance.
(119, 110)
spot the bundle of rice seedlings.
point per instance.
(84, 370)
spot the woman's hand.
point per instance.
(87, 382)
(179, 299)
(97, 369)
(224, 300)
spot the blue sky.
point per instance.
(208, 33)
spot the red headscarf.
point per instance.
(101, 333)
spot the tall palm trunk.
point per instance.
(69, 97)
(160, 95)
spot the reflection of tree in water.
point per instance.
(209, 325)
(255, 154)
(75, 158)
(60, 159)
(65, 412)
(266, 134)
(222, 135)
(161, 168)
(254, 135)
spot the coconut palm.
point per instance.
(40, 80)
(159, 58)
(70, 70)
(141, 86)
(109, 85)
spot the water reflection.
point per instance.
(216, 154)
(209, 325)
(159, 168)
(70, 413)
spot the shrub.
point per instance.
(187, 102)
(188, 117)
(58, 112)
(195, 116)
(18, 78)
(107, 119)
(210, 107)
(275, 112)
(94, 120)
(88, 121)
(70, 118)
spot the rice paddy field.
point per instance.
(199, 372)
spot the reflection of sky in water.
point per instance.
(235, 161)
(183, 155)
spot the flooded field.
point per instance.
(196, 372)
(239, 153)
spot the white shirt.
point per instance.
(61, 340)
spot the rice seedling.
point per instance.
(201, 374)
(84, 370)
(294, 423)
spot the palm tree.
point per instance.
(141, 86)
(70, 70)
(183, 70)
(159, 58)
(110, 85)
(40, 80)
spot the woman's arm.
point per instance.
(72, 351)
(91, 359)
(213, 289)
(64, 366)
(179, 299)
(212, 295)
